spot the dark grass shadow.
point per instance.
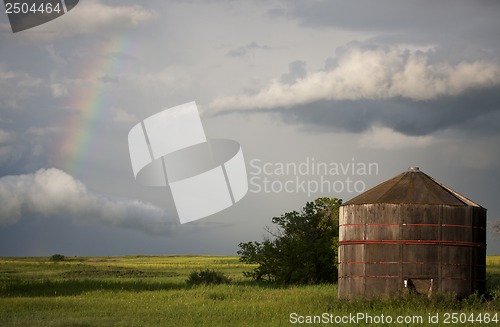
(114, 272)
(72, 287)
(16, 287)
(272, 285)
(493, 280)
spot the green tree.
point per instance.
(302, 250)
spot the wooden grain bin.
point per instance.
(411, 234)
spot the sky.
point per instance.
(363, 88)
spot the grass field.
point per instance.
(151, 291)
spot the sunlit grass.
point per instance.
(151, 291)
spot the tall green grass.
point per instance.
(151, 291)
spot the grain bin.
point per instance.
(411, 234)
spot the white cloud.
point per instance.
(123, 116)
(59, 90)
(169, 80)
(53, 193)
(41, 131)
(92, 17)
(5, 136)
(372, 74)
(16, 86)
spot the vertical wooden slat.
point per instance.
(453, 258)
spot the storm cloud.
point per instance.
(413, 16)
(475, 111)
(372, 74)
(52, 193)
(399, 83)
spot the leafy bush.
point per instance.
(207, 277)
(57, 257)
(302, 251)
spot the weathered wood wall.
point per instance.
(436, 248)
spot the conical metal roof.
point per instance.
(415, 187)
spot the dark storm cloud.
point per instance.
(473, 112)
(468, 29)
(394, 15)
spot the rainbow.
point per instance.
(91, 103)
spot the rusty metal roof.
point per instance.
(412, 186)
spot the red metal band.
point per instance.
(448, 278)
(414, 242)
(369, 277)
(415, 225)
